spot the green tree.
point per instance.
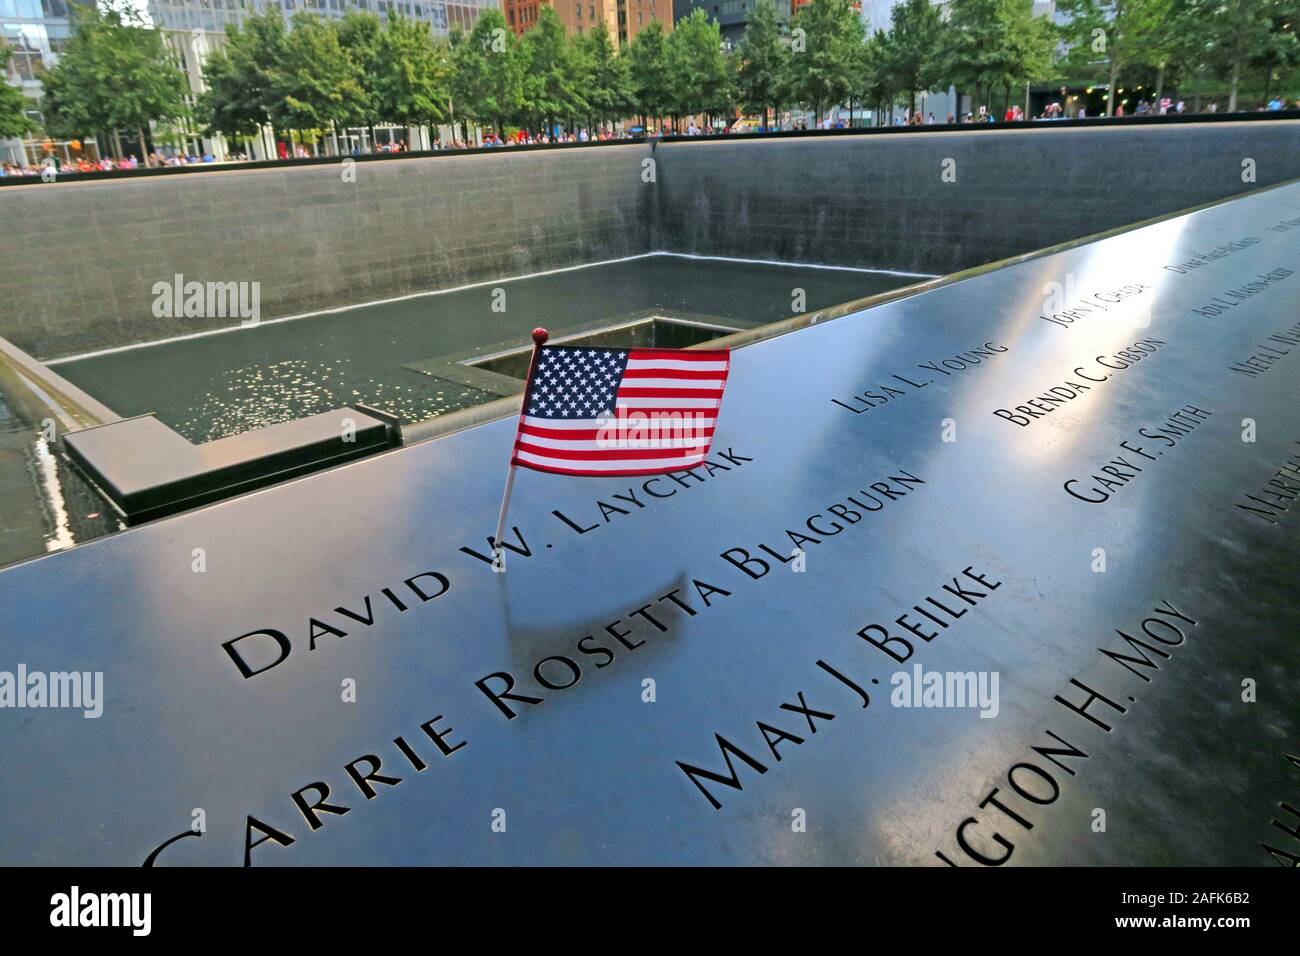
(1279, 52)
(648, 64)
(1187, 47)
(114, 74)
(361, 35)
(700, 77)
(552, 83)
(488, 70)
(1030, 47)
(762, 58)
(317, 84)
(413, 74)
(239, 76)
(875, 82)
(912, 50)
(1248, 35)
(607, 83)
(13, 119)
(1115, 35)
(825, 58)
(995, 44)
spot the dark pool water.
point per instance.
(213, 386)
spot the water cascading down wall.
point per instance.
(80, 259)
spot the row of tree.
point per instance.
(355, 72)
(352, 72)
(1184, 41)
(991, 48)
(325, 73)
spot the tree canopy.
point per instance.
(911, 49)
(113, 74)
(607, 76)
(240, 76)
(410, 80)
(319, 73)
(488, 69)
(317, 82)
(13, 119)
(651, 76)
(825, 54)
(552, 81)
(761, 58)
(701, 79)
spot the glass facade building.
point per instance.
(35, 30)
(212, 16)
(732, 15)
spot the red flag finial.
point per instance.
(540, 335)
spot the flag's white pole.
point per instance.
(540, 336)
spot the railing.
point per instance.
(953, 128)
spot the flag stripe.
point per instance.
(554, 446)
(633, 364)
(661, 392)
(627, 466)
(680, 355)
(670, 421)
(601, 454)
(659, 404)
(709, 384)
(659, 371)
(600, 438)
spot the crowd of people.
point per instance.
(518, 138)
(87, 164)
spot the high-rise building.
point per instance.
(635, 15)
(732, 16)
(35, 30)
(212, 16)
(624, 18)
(521, 14)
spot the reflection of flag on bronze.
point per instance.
(611, 411)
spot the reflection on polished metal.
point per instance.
(145, 470)
(44, 505)
(1003, 572)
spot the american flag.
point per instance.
(611, 411)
